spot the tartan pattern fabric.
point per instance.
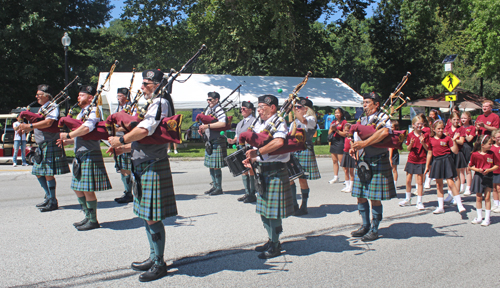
(307, 160)
(158, 198)
(277, 202)
(125, 162)
(381, 186)
(216, 160)
(93, 174)
(53, 163)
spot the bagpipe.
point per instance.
(57, 100)
(99, 132)
(226, 105)
(394, 140)
(293, 142)
(169, 129)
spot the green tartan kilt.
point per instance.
(277, 203)
(307, 160)
(93, 174)
(381, 186)
(216, 160)
(54, 161)
(158, 198)
(125, 162)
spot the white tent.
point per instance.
(193, 93)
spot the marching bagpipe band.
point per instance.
(394, 140)
(57, 100)
(169, 129)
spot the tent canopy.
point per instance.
(192, 94)
(465, 100)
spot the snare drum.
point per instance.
(294, 168)
(234, 162)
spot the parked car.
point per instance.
(7, 141)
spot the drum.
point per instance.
(294, 168)
(234, 162)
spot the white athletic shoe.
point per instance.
(335, 179)
(461, 209)
(168, 151)
(420, 206)
(494, 207)
(497, 210)
(414, 192)
(427, 186)
(406, 202)
(346, 189)
(485, 223)
(14, 164)
(476, 221)
(467, 193)
(448, 199)
(438, 211)
(26, 164)
(175, 151)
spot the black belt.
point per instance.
(271, 166)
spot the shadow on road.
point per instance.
(409, 230)
(323, 210)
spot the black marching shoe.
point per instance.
(43, 204)
(143, 266)
(51, 206)
(242, 198)
(88, 226)
(85, 220)
(370, 236)
(302, 210)
(210, 191)
(271, 252)
(126, 198)
(266, 246)
(217, 192)
(156, 272)
(360, 232)
(250, 199)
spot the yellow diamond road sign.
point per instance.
(450, 82)
(450, 97)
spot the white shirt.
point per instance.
(18, 135)
(280, 133)
(365, 120)
(149, 123)
(92, 120)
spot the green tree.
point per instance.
(30, 45)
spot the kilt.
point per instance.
(480, 182)
(395, 157)
(443, 167)
(337, 146)
(381, 186)
(54, 161)
(461, 160)
(158, 198)
(347, 161)
(93, 174)
(412, 168)
(216, 160)
(307, 160)
(496, 178)
(277, 203)
(125, 162)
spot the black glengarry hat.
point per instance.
(306, 102)
(87, 89)
(372, 95)
(153, 75)
(44, 88)
(214, 95)
(123, 91)
(247, 104)
(269, 100)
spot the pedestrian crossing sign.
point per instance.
(450, 82)
(450, 97)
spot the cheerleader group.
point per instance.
(439, 151)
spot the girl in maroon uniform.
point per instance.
(337, 135)
(469, 132)
(495, 149)
(443, 167)
(460, 162)
(416, 161)
(348, 163)
(483, 162)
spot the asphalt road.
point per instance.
(210, 243)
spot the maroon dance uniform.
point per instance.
(418, 154)
(441, 146)
(443, 164)
(482, 161)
